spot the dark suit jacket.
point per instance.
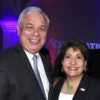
(89, 89)
(17, 79)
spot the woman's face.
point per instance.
(73, 62)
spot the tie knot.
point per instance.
(35, 57)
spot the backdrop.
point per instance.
(69, 19)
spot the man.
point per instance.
(17, 76)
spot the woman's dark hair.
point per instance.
(75, 44)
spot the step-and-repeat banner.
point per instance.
(68, 19)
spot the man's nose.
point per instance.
(36, 32)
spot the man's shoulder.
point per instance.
(10, 50)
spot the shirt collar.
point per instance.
(31, 55)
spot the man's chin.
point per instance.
(35, 50)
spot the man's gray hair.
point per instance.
(30, 10)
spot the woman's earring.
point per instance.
(62, 69)
(85, 69)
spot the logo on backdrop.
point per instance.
(56, 44)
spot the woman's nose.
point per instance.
(73, 61)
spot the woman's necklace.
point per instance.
(69, 87)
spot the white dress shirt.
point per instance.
(41, 71)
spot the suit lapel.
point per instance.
(82, 89)
(48, 70)
(47, 67)
(24, 60)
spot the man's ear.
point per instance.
(18, 29)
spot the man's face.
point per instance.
(33, 33)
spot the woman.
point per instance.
(75, 85)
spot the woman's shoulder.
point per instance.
(93, 80)
(58, 80)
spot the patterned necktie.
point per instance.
(38, 75)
